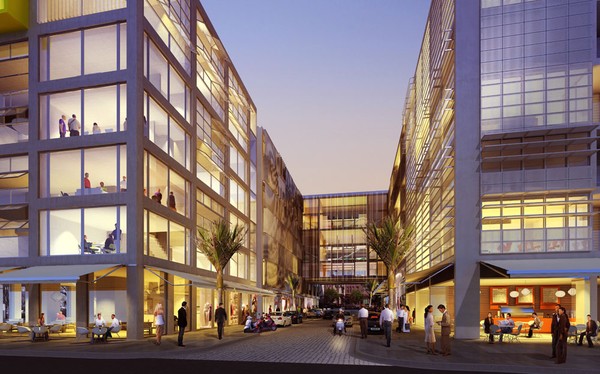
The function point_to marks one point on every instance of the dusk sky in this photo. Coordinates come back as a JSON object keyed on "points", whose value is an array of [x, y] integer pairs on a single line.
{"points": [[328, 78]]}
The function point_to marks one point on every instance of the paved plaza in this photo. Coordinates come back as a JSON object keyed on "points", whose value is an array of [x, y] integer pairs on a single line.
{"points": [[313, 343]]}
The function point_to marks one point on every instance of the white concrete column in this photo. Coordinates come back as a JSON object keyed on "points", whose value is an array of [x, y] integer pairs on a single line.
{"points": [[467, 192]]}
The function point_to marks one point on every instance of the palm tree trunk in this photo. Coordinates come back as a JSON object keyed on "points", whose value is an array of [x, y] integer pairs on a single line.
{"points": [[220, 290], [391, 289]]}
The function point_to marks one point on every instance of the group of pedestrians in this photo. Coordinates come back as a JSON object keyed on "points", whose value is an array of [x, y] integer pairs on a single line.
{"points": [[446, 328], [159, 322]]}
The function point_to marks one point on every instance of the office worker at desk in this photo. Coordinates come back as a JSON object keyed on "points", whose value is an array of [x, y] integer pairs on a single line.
{"points": [[108, 243]]}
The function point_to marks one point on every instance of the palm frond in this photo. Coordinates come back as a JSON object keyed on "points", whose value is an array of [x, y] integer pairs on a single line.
{"points": [[389, 240], [220, 243]]}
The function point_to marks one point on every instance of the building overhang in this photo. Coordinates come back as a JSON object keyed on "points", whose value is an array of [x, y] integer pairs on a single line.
{"points": [[14, 15], [430, 274], [51, 274], [555, 267]]}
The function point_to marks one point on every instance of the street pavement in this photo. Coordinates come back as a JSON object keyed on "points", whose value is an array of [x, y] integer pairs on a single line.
{"points": [[308, 347]]}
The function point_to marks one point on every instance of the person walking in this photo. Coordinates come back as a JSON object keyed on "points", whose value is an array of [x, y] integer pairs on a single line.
{"points": [[487, 322], [159, 322], [446, 324], [429, 333], [363, 316], [181, 322], [400, 317], [563, 334], [220, 318], [385, 321], [591, 328], [554, 329]]}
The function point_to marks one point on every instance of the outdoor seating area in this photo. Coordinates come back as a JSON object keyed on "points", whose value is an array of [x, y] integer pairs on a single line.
{"points": [[5, 328], [39, 333]]}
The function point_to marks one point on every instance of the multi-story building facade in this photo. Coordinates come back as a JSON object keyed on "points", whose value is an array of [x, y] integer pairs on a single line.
{"points": [[161, 140], [336, 254], [497, 162], [281, 239]]}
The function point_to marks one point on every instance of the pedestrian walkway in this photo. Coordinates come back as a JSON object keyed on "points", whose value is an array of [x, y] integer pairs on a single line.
{"points": [[525, 356], [313, 342]]}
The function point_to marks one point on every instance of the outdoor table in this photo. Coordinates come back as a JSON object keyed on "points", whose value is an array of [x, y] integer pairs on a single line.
{"points": [[39, 333], [98, 334]]}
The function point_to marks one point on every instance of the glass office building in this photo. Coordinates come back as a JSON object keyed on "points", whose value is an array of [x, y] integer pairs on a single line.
{"points": [[497, 162], [336, 254], [159, 140]]}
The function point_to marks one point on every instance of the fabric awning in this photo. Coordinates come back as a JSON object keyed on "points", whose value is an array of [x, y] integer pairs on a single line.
{"points": [[425, 275], [51, 274], [197, 280], [246, 288], [555, 267]]}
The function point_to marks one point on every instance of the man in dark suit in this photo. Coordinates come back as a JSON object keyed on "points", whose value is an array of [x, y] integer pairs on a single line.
{"points": [[591, 329], [554, 329], [181, 322], [220, 318]]}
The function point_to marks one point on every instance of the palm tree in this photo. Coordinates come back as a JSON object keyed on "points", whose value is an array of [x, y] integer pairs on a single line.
{"points": [[371, 287], [293, 283], [390, 241], [219, 245]]}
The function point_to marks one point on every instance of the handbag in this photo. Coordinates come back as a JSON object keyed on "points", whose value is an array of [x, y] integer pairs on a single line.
{"points": [[407, 326]]}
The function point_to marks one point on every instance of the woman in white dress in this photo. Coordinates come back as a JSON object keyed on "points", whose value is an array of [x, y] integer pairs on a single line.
{"points": [[429, 333], [407, 319], [159, 322]]}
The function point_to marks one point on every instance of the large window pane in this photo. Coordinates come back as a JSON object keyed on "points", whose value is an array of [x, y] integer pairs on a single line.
{"points": [[62, 232], [177, 243], [158, 245], [100, 49]]}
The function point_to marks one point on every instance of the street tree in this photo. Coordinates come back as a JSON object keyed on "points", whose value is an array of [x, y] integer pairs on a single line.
{"points": [[390, 241], [371, 286], [293, 282], [219, 244], [330, 295]]}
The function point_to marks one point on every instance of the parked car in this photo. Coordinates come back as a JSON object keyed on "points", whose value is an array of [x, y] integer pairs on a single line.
{"points": [[296, 317], [318, 312], [281, 319], [373, 326], [329, 313]]}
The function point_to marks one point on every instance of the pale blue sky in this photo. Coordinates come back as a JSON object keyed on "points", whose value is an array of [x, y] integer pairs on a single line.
{"points": [[328, 78]]}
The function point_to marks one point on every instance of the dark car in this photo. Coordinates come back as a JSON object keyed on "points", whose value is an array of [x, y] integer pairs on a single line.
{"points": [[373, 326], [329, 313], [296, 317]]}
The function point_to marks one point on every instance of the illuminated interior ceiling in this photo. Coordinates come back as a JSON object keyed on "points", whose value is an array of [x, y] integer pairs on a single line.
{"points": [[14, 74], [14, 15]]}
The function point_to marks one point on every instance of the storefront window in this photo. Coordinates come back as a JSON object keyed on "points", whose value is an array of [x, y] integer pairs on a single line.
{"points": [[205, 312]]}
